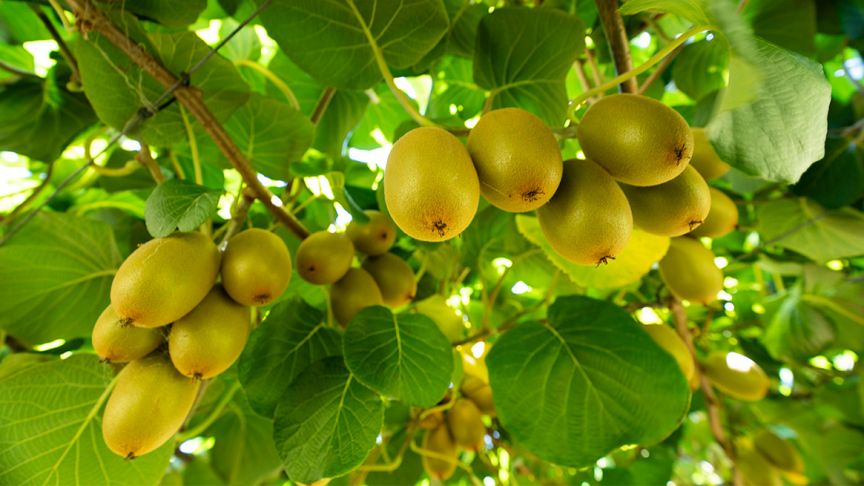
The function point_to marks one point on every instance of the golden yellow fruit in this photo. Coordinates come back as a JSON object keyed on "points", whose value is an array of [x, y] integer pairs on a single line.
{"points": [[208, 340], [695, 381], [394, 277], [638, 140], [705, 159], [256, 267], [736, 375], [324, 257], [669, 340], [478, 392], [164, 279], [449, 322], [688, 269], [438, 440], [116, 342], [148, 405], [430, 185], [779, 452], [353, 293], [673, 208], [431, 421], [721, 219], [474, 366], [588, 221], [466, 424], [375, 236], [755, 469], [517, 159]]}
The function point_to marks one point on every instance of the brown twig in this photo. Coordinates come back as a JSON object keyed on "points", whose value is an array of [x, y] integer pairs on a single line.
{"points": [[64, 49], [93, 19], [239, 214], [321, 107], [659, 71], [613, 26], [595, 68]]}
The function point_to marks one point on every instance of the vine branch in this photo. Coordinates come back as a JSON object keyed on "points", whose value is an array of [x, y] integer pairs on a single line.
{"points": [[616, 34], [64, 49]]}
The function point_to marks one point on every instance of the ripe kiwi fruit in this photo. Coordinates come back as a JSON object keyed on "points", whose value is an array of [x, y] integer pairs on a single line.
{"points": [[438, 440], [116, 342], [256, 267], [517, 159], [638, 140], [588, 220], [722, 217], [164, 279], [466, 424], [394, 277], [671, 342], [430, 185], [373, 237], [479, 392], [779, 452], [736, 375], [689, 271], [324, 257], [705, 158], [673, 208], [353, 293]]}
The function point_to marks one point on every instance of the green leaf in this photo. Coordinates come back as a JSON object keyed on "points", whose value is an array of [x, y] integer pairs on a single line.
{"points": [[523, 55], [327, 422], [806, 227], [384, 113], [778, 134], [699, 68], [691, 10], [795, 330], [15, 56], [838, 179], [791, 24], [168, 12], [293, 336], [55, 276], [331, 40], [405, 356], [271, 134], [176, 204], [635, 260], [51, 432], [589, 381]]}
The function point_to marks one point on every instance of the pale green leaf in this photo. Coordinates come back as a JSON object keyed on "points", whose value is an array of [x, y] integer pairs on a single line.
{"points": [[176, 204], [168, 12], [794, 329], [698, 69], [692, 10]]}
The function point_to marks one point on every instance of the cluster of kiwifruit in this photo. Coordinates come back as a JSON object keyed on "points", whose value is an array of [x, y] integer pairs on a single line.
{"points": [[637, 171], [165, 297]]}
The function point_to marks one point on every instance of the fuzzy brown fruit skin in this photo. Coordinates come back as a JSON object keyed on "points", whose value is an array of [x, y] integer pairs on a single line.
{"points": [[439, 440], [466, 424], [164, 279], [749, 384], [118, 343], [208, 340], [722, 217], [669, 340], [588, 221], [394, 277], [638, 140], [353, 293], [148, 405], [689, 271], [479, 392], [517, 159], [705, 159], [324, 257], [256, 267], [375, 236], [430, 185], [673, 208]]}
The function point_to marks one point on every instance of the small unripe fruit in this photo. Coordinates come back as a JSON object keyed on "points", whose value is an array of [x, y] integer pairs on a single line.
{"points": [[449, 322], [478, 392], [431, 421], [324, 257], [256, 267], [394, 277], [353, 293], [466, 424], [688, 269], [116, 342], [736, 375], [375, 236], [780, 453], [672, 343], [722, 217], [438, 440], [705, 158], [673, 208]]}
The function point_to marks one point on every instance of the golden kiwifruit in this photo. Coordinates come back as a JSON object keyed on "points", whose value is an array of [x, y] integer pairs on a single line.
{"points": [[116, 342], [375, 236], [353, 293], [466, 424], [324, 257], [517, 159], [473, 365], [148, 405], [256, 267], [722, 217], [755, 470], [431, 421], [588, 221], [430, 185], [672, 343], [479, 392], [705, 158], [638, 140], [736, 375], [164, 279], [449, 322], [673, 208], [438, 440], [779, 452], [394, 277], [688, 269], [209, 339]]}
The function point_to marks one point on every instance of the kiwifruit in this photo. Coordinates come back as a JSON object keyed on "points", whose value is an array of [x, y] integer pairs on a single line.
{"points": [[736, 376], [705, 158], [688, 269], [394, 277], [722, 217], [431, 421], [673, 208], [466, 424], [755, 470], [479, 392], [588, 221], [116, 342], [324, 257], [672, 343], [148, 405], [353, 293], [164, 279], [208, 340], [375, 236], [449, 322], [517, 159], [438, 440], [779, 452], [430, 185], [638, 140], [256, 267]]}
